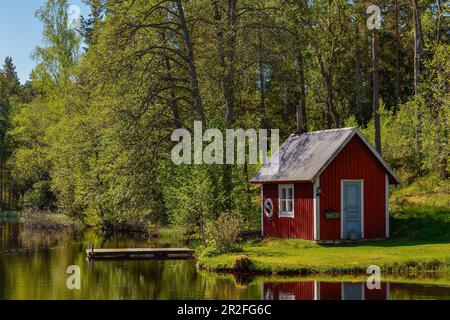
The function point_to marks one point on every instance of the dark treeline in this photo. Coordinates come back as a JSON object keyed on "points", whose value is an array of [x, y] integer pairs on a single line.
{"points": [[90, 134]]}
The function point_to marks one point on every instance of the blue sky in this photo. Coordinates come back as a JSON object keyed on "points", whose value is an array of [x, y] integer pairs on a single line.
{"points": [[21, 32]]}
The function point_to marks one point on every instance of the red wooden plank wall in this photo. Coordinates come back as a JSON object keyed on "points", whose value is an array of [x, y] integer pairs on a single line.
{"points": [[302, 290], [376, 294], [355, 161], [333, 291], [302, 225], [330, 290]]}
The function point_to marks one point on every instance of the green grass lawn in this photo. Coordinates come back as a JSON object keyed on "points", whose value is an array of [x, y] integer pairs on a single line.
{"points": [[297, 256], [420, 228], [421, 210]]}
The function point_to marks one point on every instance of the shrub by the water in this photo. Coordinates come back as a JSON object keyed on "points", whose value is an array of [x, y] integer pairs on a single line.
{"points": [[45, 220], [223, 233]]}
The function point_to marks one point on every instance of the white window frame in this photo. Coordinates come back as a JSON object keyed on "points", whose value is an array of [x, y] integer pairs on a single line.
{"points": [[286, 214]]}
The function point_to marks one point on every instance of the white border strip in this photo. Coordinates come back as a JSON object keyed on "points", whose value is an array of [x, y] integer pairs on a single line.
{"points": [[316, 204], [387, 206], [262, 210]]}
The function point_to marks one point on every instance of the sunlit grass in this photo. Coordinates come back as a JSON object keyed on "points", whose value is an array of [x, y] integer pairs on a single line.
{"points": [[282, 256], [421, 210]]}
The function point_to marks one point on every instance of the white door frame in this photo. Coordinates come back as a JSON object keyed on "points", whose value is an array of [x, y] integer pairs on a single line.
{"points": [[361, 181], [316, 204], [362, 284], [262, 210], [387, 205]]}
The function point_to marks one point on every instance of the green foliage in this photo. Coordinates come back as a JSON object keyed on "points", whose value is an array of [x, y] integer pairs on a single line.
{"points": [[190, 195], [39, 196], [57, 59], [173, 236]]}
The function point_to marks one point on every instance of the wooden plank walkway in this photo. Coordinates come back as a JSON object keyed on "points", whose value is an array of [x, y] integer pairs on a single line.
{"points": [[140, 253]]}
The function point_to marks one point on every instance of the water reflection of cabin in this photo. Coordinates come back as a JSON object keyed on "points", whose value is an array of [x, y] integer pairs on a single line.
{"points": [[318, 290], [326, 185]]}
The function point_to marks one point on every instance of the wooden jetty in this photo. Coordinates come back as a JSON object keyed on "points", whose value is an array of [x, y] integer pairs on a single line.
{"points": [[139, 253]]}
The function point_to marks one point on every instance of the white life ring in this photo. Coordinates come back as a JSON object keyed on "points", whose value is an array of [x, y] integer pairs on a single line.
{"points": [[268, 208]]}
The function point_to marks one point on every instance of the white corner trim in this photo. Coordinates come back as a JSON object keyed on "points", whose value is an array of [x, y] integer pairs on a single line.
{"points": [[280, 186], [316, 204], [363, 291], [262, 210], [316, 290], [361, 181], [388, 291], [387, 206]]}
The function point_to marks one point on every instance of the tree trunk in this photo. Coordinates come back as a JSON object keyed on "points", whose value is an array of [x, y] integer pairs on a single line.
{"points": [[226, 48], [438, 21], [261, 76], [327, 75], [376, 91], [191, 63], [359, 111], [397, 59], [285, 100], [418, 45], [1, 184], [229, 71], [441, 141], [332, 116], [442, 148], [172, 99], [262, 81], [301, 104]]}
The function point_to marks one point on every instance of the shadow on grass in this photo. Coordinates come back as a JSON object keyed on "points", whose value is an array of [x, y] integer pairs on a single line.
{"points": [[414, 225], [421, 223]]}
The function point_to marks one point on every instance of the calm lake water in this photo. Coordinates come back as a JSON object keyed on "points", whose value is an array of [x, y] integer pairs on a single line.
{"points": [[33, 266]]}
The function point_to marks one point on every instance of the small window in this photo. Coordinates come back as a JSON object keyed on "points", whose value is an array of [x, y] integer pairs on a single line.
{"points": [[286, 196], [286, 296]]}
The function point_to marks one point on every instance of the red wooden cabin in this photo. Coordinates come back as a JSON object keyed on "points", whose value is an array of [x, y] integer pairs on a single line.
{"points": [[326, 185]]}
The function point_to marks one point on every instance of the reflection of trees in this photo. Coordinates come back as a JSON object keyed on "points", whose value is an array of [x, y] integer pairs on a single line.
{"points": [[36, 240], [33, 266], [9, 232]]}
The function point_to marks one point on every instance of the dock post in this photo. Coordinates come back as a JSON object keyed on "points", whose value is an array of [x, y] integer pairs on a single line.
{"points": [[91, 247]]}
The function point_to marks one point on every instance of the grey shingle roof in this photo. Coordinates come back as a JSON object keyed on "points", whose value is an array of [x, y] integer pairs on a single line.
{"points": [[304, 157]]}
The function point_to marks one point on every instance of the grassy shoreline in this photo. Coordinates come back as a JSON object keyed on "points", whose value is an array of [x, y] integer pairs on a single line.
{"points": [[299, 257], [431, 279], [420, 243]]}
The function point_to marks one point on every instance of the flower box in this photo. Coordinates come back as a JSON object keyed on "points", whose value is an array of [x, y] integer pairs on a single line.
{"points": [[332, 214]]}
